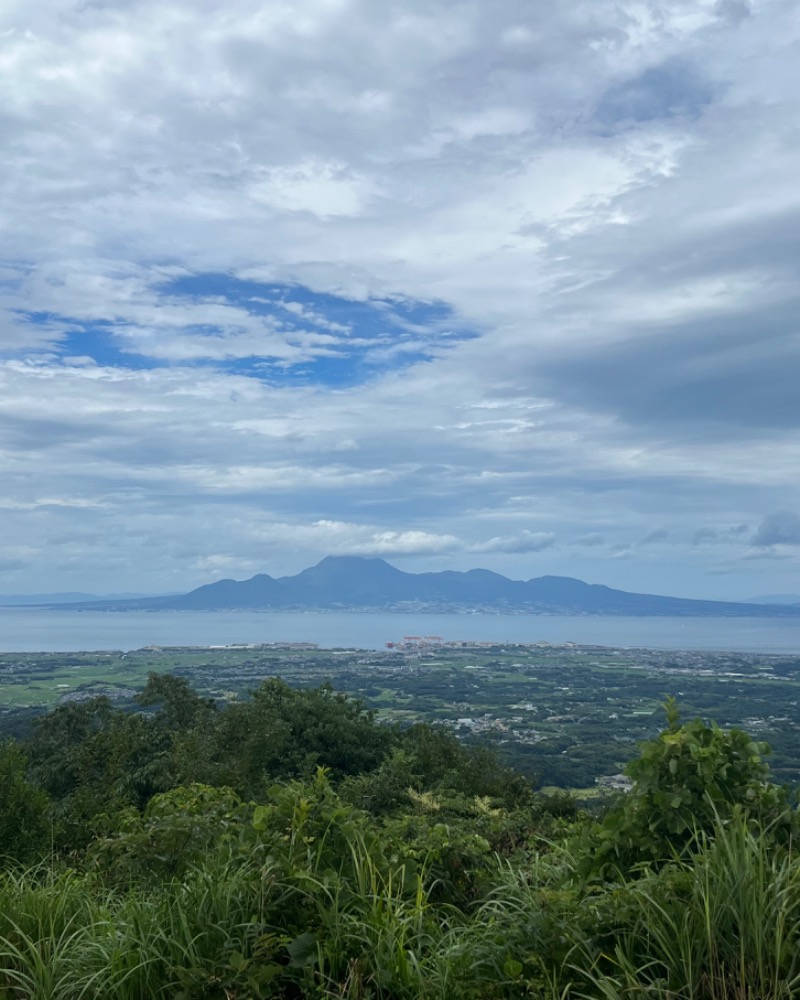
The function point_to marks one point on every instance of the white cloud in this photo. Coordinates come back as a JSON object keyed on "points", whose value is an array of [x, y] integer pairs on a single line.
{"points": [[348, 538], [525, 541], [323, 189], [393, 543], [452, 153]]}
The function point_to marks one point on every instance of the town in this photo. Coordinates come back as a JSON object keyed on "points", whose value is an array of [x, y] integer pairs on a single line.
{"points": [[568, 715]]}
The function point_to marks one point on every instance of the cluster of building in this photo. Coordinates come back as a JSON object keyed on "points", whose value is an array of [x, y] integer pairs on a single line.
{"points": [[415, 643], [420, 643]]}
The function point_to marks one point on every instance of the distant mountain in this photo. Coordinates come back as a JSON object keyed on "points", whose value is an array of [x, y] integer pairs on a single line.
{"points": [[351, 582], [776, 599], [67, 597]]}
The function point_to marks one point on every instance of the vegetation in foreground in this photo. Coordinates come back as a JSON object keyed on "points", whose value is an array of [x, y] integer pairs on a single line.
{"points": [[289, 846]]}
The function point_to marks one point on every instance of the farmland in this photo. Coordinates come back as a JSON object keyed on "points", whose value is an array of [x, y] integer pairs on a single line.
{"points": [[566, 714]]}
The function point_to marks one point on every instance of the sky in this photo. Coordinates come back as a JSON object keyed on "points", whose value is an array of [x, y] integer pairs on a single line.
{"points": [[455, 283]]}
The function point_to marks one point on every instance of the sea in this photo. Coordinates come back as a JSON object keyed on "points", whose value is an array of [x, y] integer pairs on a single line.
{"points": [[37, 630]]}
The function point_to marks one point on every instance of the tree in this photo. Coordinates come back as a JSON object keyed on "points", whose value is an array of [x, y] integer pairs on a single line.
{"points": [[281, 732], [179, 706], [94, 759], [25, 823]]}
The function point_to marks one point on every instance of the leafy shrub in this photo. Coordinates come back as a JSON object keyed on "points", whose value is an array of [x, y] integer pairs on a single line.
{"points": [[178, 829], [687, 780]]}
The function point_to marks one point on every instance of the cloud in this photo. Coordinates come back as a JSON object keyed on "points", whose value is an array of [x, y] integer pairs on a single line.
{"points": [[780, 528], [11, 565], [339, 537], [524, 541], [675, 88], [320, 188], [734, 11], [705, 536], [725, 534], [591, 540], [652, 537], [768, 555], [406, 543], [360, 539], [351, 538], [447, 281]]}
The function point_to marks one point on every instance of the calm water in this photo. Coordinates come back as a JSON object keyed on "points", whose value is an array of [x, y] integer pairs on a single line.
{"points": [[31, 630]]}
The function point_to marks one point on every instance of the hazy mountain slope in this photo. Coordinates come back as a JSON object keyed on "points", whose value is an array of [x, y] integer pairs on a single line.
{"points": [[354, 582]]}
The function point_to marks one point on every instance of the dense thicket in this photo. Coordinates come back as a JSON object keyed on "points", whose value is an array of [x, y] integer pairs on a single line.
{"points": [[291, 846]]}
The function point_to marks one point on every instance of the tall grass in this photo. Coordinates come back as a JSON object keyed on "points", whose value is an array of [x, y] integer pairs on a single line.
{"points": [[227, 930], [61, 937], [378, 932], [723, 925], [64, 937], [518, 941]]}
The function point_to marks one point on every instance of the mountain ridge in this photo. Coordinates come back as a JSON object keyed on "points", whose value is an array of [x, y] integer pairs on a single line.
{"points": [[355, 582], [64, 597]]}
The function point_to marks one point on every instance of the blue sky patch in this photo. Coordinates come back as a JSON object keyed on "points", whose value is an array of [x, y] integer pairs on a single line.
{"points": [[308, 337], [673, 89], [96, 341]]}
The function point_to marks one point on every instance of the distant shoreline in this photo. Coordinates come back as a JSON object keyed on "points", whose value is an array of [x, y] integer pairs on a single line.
{"points": [[769, 612], [37, 630]]}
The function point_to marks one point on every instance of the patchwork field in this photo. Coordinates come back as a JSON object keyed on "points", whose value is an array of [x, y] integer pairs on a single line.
{"points": [[566, 714]]}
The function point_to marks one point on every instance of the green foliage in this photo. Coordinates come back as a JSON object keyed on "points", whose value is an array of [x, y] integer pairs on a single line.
{"points": [[448, 846], [61, 749], [687, 780], [25, 820], [177, 829], [95, 760], [443, 761], [307, 827], [523, 933], [723, 923], [388, 788], [91, 759], [281, 732], [434, 760], [379, 864], [179, 706]]}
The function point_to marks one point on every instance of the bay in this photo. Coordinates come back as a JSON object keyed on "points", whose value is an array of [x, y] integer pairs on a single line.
{"points": [[36, 630]]}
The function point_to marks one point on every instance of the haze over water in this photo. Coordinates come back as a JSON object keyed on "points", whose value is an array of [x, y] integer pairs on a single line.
{"points": [[29, 630]]}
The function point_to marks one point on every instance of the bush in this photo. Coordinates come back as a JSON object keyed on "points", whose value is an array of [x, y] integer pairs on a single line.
{"points": [[686, 781]]}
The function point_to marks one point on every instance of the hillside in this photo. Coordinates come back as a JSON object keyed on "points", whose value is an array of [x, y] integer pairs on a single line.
{"points": [[291, 846]]}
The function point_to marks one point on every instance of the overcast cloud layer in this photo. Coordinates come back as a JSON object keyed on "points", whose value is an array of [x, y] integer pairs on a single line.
{"points": [[454, 283]]}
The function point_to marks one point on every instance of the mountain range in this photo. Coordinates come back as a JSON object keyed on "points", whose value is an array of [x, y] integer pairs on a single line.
{"points": [[357, 583], [65, 597]]}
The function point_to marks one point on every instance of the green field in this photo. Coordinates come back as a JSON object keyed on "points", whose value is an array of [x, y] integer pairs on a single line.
{"points": [[566, 714]]}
